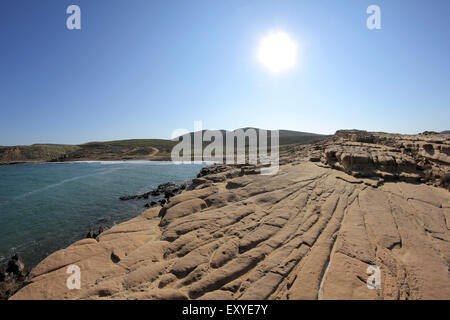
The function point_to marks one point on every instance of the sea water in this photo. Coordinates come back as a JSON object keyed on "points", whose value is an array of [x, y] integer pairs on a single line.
{"points": [[46, 207]]}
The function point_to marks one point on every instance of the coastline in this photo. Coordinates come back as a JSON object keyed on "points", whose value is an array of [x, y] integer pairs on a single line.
{"points": [[165, 191], [162, 158], [308, 232]]}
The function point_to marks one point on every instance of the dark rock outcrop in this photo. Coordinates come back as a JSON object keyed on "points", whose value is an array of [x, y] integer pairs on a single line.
{"points": [[15, 265], [12, 277], [92, 234], [166, 190]]}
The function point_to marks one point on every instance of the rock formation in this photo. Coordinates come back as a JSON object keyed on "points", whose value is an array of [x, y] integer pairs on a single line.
{"points": [[334, 209], [12, 277], [388, 157]]}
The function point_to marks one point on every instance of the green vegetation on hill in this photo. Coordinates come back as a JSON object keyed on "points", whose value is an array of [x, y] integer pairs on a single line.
{"points": [[124, 149], [154, 149], [35, 152], [135, 143], [286, 136], [110, 150]]}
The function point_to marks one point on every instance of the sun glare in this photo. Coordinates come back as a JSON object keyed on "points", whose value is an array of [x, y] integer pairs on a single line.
{"points": [[277, 52]]}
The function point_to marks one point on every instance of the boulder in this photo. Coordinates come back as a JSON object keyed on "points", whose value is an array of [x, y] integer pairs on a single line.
{"points": [[15, 265]]}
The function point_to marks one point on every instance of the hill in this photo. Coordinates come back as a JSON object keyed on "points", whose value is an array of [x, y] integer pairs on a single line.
{"points": [[286, 136], [34, 153], [133, 149], [155, 149]]}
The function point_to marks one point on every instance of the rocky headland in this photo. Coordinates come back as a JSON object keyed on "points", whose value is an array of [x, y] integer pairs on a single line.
{"points": [[336, 207]]}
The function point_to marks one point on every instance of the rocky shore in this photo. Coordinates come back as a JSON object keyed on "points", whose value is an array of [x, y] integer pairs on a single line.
{"points": [[12, 277], [160, 195], [14, 273], [336, 207]]}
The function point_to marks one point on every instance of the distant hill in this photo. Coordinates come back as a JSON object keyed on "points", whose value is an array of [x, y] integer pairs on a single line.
{"points": [[291, 137], [445, 132], [35, 152], [286, 136], [155, 149], [152, 149]]}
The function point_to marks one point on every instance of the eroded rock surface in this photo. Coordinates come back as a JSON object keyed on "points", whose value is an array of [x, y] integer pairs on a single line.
{"points": [[390, 157], [309, 232]]}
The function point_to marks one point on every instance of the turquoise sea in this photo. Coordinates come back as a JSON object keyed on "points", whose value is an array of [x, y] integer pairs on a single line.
{"points": [[45, 207]]}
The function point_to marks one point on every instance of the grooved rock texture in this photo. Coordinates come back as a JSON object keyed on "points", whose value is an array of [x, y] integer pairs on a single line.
{"points": [[308, 232], [390, 157]]}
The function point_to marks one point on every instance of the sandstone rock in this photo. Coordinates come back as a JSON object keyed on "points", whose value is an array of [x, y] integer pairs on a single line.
{"points": [[308, 232], [182, 209]]}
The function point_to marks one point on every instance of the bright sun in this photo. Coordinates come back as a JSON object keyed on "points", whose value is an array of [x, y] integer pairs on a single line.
{"points": [[277, 52]]}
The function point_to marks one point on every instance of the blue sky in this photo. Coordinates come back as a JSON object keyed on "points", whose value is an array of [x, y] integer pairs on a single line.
{"points": [[141, 69]]}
